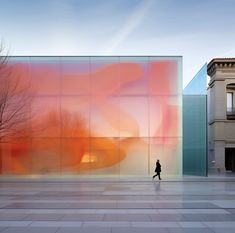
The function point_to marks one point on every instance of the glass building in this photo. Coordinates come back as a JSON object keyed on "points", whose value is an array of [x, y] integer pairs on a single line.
{"points": [[94, 116], [195, 125]]}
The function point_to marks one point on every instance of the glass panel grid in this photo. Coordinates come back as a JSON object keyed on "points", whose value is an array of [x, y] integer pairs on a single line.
{"points": [[99, 115]]}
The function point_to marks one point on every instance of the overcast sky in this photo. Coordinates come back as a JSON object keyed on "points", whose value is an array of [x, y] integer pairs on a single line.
{"points": [[199, 30]]}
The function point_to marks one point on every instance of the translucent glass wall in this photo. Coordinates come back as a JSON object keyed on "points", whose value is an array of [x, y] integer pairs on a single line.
{"points": [[97, 116], [195, 125]]}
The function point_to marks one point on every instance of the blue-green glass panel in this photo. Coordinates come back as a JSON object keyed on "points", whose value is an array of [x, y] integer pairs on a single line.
{"points": [[195, 125], [197, 86], [194, 135]]}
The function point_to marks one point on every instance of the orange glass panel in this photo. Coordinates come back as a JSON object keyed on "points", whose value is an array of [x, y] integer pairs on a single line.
{"points": [[133, 76], [137, 154], [165, 116], [163, 77], [105, 76], [134, 116], [104, 117], [75, 116], [15, 157], [75, 76], [46, 117], [105, 156], [45, 76], [75, 156], [45, 156]]}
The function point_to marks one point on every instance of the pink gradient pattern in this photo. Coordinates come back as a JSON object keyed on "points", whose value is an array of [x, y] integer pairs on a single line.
{"points": [[97, 116]]}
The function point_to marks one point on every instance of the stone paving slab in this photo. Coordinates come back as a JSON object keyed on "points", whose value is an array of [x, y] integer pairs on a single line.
{"points": [[121, 206]]}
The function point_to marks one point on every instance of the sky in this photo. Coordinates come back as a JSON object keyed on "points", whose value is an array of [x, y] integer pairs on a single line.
{"points": [[198, 30]]}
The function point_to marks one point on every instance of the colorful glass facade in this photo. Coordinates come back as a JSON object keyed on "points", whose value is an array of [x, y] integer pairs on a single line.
{"points": [[97, 116]]}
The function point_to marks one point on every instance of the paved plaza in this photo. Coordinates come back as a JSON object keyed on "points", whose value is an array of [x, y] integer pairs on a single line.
{"points": [[197, 205]]}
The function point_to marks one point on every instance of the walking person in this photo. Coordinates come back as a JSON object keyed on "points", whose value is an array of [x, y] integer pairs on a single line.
{"points": [[158, 170]]}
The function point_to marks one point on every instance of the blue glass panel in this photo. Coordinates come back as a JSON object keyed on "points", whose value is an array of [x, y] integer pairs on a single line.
{"points": [[197, 86], [195, 125], [194, 135]]}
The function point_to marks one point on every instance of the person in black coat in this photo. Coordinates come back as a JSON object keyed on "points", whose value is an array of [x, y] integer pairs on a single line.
{"points": [[158, 170]]}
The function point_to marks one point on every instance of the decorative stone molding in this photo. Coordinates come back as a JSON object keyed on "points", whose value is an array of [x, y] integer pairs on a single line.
{"points": [[220, 63]]}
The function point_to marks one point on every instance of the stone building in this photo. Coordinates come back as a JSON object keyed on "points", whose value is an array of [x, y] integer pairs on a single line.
{"points": [[221, 114]]}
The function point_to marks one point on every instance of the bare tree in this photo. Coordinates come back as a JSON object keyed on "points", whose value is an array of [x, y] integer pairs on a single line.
{"points": [[15, 102]]}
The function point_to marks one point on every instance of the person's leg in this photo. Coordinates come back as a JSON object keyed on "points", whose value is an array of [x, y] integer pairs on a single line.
{"points": [[154, 176], [159, 176]]}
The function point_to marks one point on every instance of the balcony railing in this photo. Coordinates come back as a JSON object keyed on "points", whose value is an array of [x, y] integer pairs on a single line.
{"points": [[231, 113]]}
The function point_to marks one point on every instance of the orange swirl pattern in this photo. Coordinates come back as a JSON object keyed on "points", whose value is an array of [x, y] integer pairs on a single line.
{"points": [[96, 116]]}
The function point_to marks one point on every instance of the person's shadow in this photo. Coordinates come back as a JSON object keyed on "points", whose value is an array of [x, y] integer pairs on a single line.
{"points": [[157, 186]]}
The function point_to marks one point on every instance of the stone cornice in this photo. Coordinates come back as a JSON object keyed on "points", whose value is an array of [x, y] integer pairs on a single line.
{"points": [[212, 81], [220, 120], [220, 63]]}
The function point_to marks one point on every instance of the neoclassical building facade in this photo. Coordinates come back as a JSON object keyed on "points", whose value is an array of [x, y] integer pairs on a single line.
{"points": [[221, 114]]}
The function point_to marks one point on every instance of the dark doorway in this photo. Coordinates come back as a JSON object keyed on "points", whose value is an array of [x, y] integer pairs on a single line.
{"points": [[230, 159]]}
